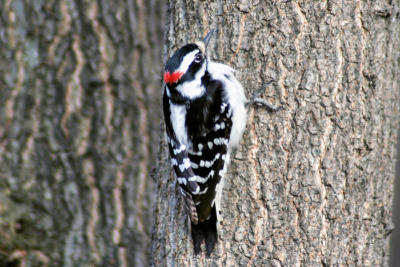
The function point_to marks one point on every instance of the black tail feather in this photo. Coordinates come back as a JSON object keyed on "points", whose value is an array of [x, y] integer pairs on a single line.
{"points": [[207, 231]]}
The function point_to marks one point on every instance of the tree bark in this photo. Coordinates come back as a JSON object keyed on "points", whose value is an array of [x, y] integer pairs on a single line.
{"points": [[79, 115], [312, 184]]}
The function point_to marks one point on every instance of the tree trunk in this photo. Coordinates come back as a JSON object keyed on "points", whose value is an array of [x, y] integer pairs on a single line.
{"points": [[311, 184], [79, 115]]}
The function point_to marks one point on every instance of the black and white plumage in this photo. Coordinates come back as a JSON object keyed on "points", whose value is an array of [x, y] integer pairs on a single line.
{"points": [[205, 116]]}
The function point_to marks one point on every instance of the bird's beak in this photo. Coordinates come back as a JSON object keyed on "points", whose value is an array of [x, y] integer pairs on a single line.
{"points": [[208, 37]]}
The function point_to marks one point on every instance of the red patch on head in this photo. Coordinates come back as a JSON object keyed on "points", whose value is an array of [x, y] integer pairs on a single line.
{"points": [[172, 77]]}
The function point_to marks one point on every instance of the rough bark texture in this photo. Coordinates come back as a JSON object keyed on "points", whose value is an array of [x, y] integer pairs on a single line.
{"points": [[312, 184], [79, 115]]}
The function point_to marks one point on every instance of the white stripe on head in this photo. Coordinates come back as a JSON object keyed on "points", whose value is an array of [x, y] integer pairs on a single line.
{"points": [[187, 60]]}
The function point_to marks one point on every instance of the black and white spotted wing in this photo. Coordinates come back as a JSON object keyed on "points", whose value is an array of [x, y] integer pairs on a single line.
{"points": [[184, 172], [200, 167], [208, 159]]}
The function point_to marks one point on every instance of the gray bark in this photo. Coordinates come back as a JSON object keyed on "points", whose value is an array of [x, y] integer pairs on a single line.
{"points": [[312, 184], [79, 115]]}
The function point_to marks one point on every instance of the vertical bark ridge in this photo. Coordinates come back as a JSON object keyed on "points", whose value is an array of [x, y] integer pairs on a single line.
{"points": [[94, 211], [240, 38], [255, 188], [107, 56], [73, 94], [119, 218]]}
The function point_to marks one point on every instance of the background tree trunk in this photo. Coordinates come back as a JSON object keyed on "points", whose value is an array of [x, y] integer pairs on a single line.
{"points": [[79, 115], [312, 184]]}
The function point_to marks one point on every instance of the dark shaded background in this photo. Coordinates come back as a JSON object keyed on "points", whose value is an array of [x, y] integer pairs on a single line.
{"points": [[395, 238]]}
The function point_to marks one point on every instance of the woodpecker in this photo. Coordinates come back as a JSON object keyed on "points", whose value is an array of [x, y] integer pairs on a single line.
{"points": [[205, 116]]}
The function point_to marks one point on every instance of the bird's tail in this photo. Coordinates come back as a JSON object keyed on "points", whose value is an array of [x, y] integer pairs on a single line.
{"points": [[207, 231]]}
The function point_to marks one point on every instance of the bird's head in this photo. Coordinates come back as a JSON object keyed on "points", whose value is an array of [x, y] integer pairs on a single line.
{"points": [[187, 63]]}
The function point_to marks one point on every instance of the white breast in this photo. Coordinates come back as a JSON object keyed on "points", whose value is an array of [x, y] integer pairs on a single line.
{"points": [[178, 119]]}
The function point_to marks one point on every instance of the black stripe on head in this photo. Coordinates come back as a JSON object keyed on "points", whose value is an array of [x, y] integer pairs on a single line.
{"points": [[176, 59], [191, 73]]}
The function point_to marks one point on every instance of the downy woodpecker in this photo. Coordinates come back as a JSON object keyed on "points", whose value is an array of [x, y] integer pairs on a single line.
{"points": [[205, 116]]}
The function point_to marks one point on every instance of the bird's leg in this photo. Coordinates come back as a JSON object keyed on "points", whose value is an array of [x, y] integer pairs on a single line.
{"points": [[260, 102]]}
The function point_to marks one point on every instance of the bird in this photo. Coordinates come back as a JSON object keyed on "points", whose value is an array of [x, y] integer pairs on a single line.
{"points": [[205, 117]]}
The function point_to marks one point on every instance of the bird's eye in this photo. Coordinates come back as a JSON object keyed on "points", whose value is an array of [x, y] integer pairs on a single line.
{"points": [[198, 57]]}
